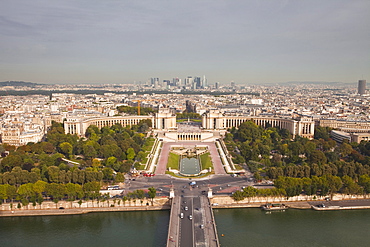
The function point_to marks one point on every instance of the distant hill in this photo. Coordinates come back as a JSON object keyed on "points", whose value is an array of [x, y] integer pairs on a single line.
{"points": [[18, 84]]}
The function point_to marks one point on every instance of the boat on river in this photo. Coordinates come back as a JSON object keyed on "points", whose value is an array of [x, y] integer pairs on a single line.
{"points": [[274, 206]]}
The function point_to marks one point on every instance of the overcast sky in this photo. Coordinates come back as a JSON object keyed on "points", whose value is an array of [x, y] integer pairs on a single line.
{"points": [[246, 41]]}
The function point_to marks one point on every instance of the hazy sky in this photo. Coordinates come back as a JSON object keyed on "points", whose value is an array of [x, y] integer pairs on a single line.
{"points": [[246, 41]]}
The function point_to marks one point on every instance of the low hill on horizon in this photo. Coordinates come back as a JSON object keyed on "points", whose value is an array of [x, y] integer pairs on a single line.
{"points": [[18, 84]]}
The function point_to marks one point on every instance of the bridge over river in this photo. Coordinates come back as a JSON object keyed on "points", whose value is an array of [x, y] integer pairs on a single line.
{"points": [[192, 222]]}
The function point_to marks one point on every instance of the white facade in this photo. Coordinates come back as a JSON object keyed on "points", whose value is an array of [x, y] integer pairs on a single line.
{"points": [[215, 120], [17, 135], [79, 125], [165, 119]]}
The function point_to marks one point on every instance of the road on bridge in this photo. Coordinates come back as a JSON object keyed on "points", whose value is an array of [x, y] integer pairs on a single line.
{"points": [[193, 217]]}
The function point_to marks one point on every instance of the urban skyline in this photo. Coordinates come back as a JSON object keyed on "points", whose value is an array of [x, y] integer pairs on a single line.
{"points": [[248, 42]]}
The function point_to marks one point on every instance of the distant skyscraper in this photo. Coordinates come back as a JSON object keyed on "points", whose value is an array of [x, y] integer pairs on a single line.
{"points": [[232, 84], [189, 81], [154, 82], [176, 82], [197, 83], [361, 87], [217, 85], [204, 82], [166, 82]]}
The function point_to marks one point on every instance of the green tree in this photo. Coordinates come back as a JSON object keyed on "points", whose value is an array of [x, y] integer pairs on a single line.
{"points": [[344, 149], [89, 151], [130, 154], [139, 194], [26, 190], [10, 161], [66, 149], [152, 193], [124, 199], [111, 161], [39, 187], [56, 192], [238, 196], [4, 188], [108, 173], [73, 191], [316, 156], [91, 189], [322, 133], [250, 192], [119, 178], [53, 174], [249, 131]]}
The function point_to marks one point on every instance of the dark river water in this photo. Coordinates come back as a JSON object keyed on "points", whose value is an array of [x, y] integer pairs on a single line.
{"points": [[239, 227], [253, 227]]}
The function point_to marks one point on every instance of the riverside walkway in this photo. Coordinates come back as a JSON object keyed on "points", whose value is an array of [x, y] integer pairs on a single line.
{"points": [[192, 222]]}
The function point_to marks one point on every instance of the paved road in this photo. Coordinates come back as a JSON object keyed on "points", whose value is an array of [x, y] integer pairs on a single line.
{"points": [[217, 163], [199, 221], [163, 159], [197, 227], [163, 183], [186, 234]]}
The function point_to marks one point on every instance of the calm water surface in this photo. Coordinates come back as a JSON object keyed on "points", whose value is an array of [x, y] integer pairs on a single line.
{"points": [[241, 227], [253, 227], [94, 229], [189, 166]]}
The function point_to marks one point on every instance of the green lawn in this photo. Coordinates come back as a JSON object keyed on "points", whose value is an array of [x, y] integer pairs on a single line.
{"points": [[206, 161], [173, 161], [145, 160], [191, 120], [148, 144], [238, 167]]}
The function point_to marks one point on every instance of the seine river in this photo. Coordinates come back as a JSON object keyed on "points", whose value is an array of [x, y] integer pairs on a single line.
{"points": [[240, 227]]}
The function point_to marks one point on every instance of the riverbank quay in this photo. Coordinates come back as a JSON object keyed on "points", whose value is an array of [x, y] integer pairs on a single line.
{"points": [[295, 205], [70, 208], [341, 205], [71, 211], [349, 203]]}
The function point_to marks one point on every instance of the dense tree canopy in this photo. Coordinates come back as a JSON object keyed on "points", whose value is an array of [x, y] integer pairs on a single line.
{"points": [[272, 153], [105, 154], [134, 110]]}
